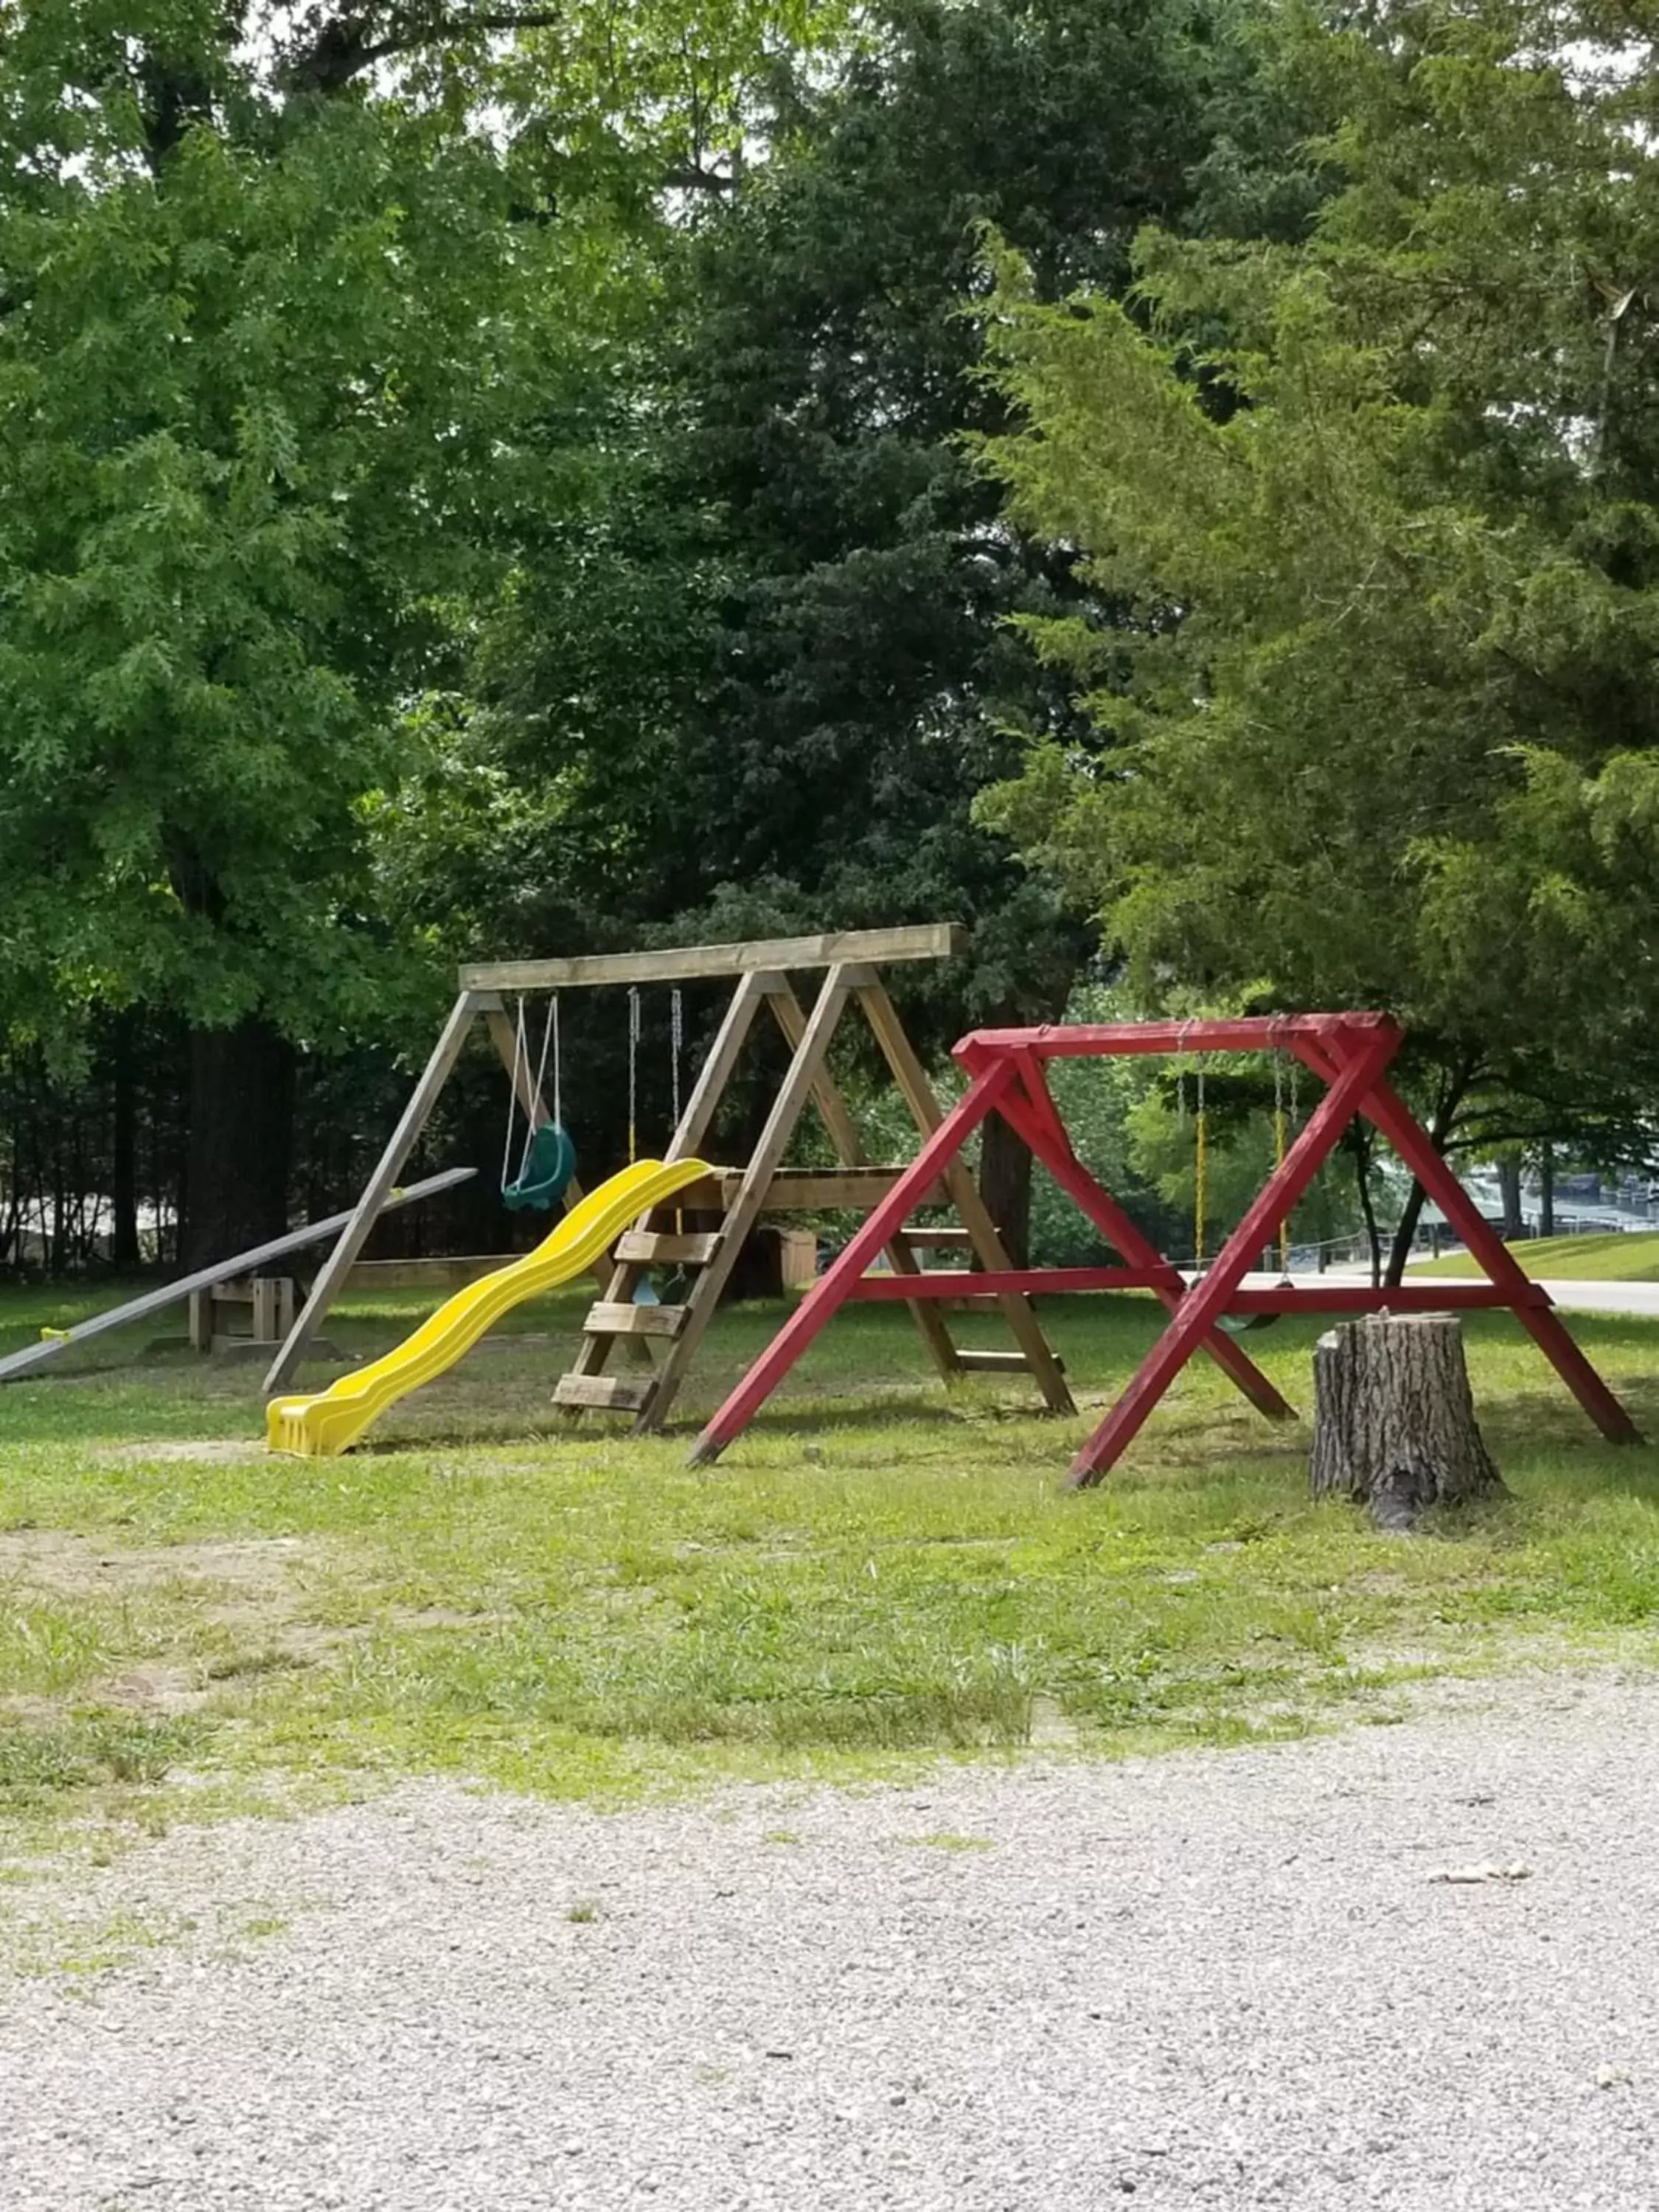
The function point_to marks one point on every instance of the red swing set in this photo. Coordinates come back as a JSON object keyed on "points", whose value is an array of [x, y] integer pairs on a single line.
{"points": [[1349, 1054]]}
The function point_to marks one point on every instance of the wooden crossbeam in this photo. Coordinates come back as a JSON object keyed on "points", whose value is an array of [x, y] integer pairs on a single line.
{"points": [[922, 940]]}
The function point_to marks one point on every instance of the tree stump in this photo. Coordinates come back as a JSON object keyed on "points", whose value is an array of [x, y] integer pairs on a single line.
{"points": [[1394, 1421]]}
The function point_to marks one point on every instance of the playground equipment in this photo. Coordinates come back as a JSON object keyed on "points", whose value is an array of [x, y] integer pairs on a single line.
{"points": [[662, 1337], [1348, 1054], [55, 1341], [335, 1420], [548, 1161]]}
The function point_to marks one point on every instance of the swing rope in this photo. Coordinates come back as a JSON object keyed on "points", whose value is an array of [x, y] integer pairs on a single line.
{"points": [[1200, 1177], [551, 1163], [676, 1040], [521, 1068], [633, 1073], [1280, 1135]]}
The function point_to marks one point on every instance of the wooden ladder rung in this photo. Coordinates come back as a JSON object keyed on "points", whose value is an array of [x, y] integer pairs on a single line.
{"points": [[651, 1247], [993, 1363], [955, 1240], [603, 1393], [608, 1319]]}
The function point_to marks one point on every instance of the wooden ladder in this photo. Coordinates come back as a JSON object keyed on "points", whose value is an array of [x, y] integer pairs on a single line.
{"points": [[668, 1335]]}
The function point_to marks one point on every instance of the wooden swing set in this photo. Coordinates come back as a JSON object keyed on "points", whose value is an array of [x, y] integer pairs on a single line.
{"points": [[661, 1339], [1348, 1054]]}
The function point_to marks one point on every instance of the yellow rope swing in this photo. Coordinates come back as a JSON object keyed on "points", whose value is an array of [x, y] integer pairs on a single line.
{"points": [[1201, 1177]]}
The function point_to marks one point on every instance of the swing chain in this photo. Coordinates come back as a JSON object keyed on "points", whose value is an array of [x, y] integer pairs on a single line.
{"points": [[521, 1068]]}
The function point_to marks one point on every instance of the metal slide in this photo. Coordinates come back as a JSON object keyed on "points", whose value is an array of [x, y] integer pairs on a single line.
{"points": [[333, 1421]]}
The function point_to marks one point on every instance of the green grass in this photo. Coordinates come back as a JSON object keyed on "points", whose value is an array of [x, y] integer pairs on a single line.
{"points": [[876, 1574], [1628, 1257]]}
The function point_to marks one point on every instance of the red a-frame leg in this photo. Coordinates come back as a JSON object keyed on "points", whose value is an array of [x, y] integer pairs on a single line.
{"points": [[830, 1291], [1529, 1303], [1360, 1063], [1030, 1112]]}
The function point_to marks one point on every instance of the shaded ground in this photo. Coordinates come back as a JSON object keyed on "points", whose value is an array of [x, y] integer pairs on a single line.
{"points": [[1414, 1967]]}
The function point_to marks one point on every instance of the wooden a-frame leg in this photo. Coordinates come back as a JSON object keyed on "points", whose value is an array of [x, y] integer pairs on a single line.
{"points": [[800, 1081], [849, 1151], [624, 1278], [331, 1276], [917, 1090], [828, 1294]]}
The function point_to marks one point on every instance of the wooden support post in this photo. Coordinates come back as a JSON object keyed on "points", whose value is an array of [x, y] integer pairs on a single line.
{"points": [[919, 1095], [577, 1390], [378, 1188], [798, 1083], [844, 1136], [831, 1290]]}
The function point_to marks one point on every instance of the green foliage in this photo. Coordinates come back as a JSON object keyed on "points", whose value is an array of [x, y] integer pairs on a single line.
{"points": [[1381, 501], [760, 676], [255, 389]]}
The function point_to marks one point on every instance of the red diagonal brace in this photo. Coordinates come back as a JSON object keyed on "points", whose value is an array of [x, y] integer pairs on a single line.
{"points": [[1360, 1062], [1030, 1112], [833, 1286], [1409, 1139]]}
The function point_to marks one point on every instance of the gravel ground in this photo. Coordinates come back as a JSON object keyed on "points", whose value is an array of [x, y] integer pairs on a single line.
{"points": [[1216, 1980]]}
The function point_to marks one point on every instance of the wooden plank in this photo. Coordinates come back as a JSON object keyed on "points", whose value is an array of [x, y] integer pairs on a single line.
{"points": [[937, 1240], [378, 1188], [849, 1150], [655, 1248], [919, 1096], [925, 940], [609, 1393], [604, 1319], [993, 1363], [174, 1293], [799, 1080], [809, 1190]]}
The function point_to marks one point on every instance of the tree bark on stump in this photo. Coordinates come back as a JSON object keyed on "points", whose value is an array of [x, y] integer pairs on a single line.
{"points": [[1393, 1420], [1005, 1184]]}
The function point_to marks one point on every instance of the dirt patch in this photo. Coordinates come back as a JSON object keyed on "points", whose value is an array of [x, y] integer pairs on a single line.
{"points": [[253, 1570], [213, 1448]]}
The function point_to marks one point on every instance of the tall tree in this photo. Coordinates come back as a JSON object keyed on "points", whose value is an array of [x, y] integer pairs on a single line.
{"points": [[770, 676], [280, 290], [1383, 504]]}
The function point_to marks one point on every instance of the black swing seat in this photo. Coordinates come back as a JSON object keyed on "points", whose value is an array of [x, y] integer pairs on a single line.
{"points": [[549, 1163], [1245, 1324]]}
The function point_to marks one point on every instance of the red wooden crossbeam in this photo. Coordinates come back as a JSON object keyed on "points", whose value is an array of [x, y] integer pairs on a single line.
{"points": [[1350, 1054]]}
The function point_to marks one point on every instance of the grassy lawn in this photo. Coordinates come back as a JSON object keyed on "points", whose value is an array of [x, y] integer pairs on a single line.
{"points": [[1631, 1257], [877, 1573]]}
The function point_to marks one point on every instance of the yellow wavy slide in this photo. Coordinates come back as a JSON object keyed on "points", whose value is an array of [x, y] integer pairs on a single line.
{"points": [[332, 1422]]}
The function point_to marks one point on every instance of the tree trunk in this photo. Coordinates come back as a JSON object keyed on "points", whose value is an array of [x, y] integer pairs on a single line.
{"points": [[241, 1131], [1509, 1183], [1546, 1189], [1005, 1184], [124, 1150], [1360, 1142], [1394, 1421]]}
